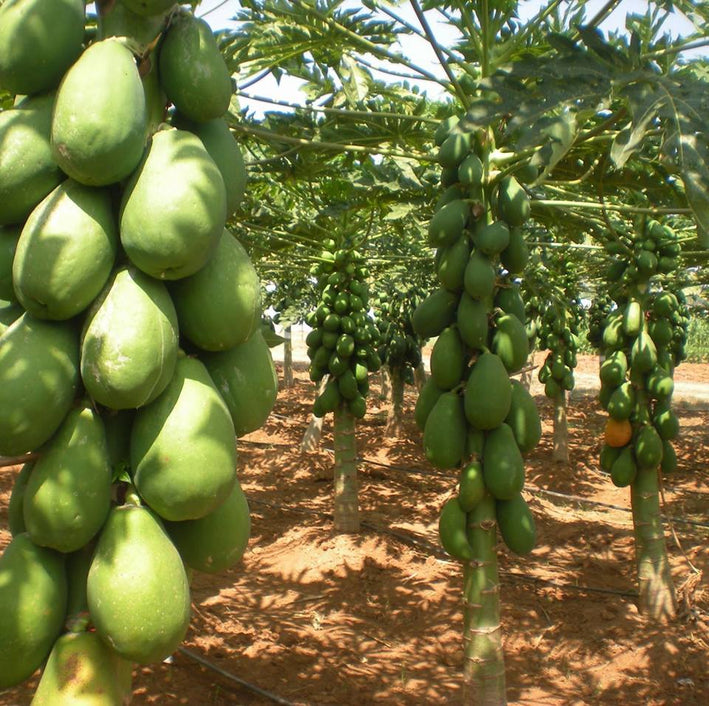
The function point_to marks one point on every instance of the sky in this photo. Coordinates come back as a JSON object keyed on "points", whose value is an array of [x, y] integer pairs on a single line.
{"points": [[219, 14]]}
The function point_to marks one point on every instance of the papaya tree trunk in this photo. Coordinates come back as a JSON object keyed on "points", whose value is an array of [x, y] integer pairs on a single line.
{"points": [[657, 597], [385, 378], [560, 450], [311, 438], [484, 667], [288, 381], [420, 376], [395, 412], [346, 490]]}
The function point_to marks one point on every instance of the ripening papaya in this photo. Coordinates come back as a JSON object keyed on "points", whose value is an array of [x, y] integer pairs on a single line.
{"points": [[33, 596], [68, 493], [137, 590], [512, 202], [39, 375], [27, 170], [218, 540], [510, 342], [219, 306], [503, 466], [39, 41], [434, 313], [129, 342], [445, 432], [66, 251], [488, 393], [192, 69], [246, 379], [523, 418], [83, 671], [164, 229], [448, 359], [516, 523], [180, 471], [472, 319], [100, 117]]}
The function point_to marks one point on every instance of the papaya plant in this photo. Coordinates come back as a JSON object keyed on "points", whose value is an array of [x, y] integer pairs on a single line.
{"points": [[138, 314]]}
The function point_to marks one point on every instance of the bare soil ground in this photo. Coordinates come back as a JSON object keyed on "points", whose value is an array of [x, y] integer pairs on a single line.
{"points": [[375, 618]]}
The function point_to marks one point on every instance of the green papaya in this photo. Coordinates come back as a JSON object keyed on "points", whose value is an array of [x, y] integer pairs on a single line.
{"points": [[9, 313], [444, 434], [224, 150], [27, 170], [509, 299], [33, 595], [648, 447], [624, 469], [83, 671], [347, 385], [129, 342], [512, 202], [148, 8], [613, 337], [444, 128], [643, 353], [479, 276], [357, 407], [510, 342], [126, 19], [452, 531], [669, 457], [434, 313], [68, 493], [192, 69], [632, 318], [219, 306], [492, 238], [622, 401], [39, 41], [471, 488], [39, 375], [660, 384], [217, 541], [523, 418], [448, 359], [454, 149], [9, 236], [488, 394], [515, 256], [470, 171], [137, 589], [246, 378], [15, 516], [100, 118], [165, 230], [503, 466], [608, 456], [613, 369], [472, 319], [66, 251], [516, 523], [667, 424], [181, 472], [448, 223], [474, 443], [427, 397], [451, 265], [661, 332]]}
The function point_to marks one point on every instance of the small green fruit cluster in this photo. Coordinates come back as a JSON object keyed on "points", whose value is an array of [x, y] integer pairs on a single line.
{"points": [[343, 341], [399, 345], [559, 334]]}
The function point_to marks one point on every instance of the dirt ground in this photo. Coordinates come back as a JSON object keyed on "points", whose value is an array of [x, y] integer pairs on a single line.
{"points": [[375, 618]]}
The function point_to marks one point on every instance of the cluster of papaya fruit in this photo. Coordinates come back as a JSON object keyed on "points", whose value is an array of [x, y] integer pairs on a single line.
{"points": [[474, 417], [601, 306], [343, 341], [558, 333], [134, 358], [399, 346], [642, 341]]}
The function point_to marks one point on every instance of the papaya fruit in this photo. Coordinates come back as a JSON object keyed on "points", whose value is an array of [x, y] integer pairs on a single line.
{"points": [[512, 202], [149, 8], [192, 69], [613, 369], [515, 256], [27, 170], [347, 385], [164, 229], [648, 447], [15, 514], [83, 671], [219, 306], [129, 341], [357, 407], [510, 342], [444, 434], [39, 41], [39, 375], [100, 118], [448, 359], [218, 540], [452, 531], [503, 466], [509, 299], [180, 471], [137, 590], [488, 394], [434, 313], [643, 353], [120, 19], [492, 238], [33, 597], [224, 150], [669, 457], [246, 379], [454, 149], [448, 223], [470, 171], [660, 384], [479, 276], [617, 432], [472, 320], [10, 311], [632, 318], [667, 423], [624, 469], [608, 456], [523, 418], [427, 397], [452, 262], [474, 442], [471, 485], [9, 236], [66, 251], [516, 523], [622, 401], [68, 494], [444, 129], [613, 337]]}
